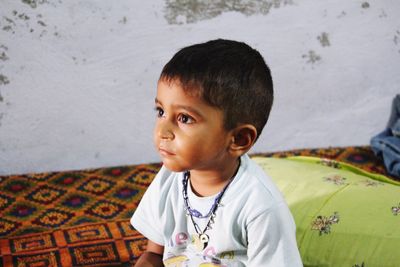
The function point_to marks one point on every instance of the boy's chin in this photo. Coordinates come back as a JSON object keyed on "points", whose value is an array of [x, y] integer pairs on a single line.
{"points": [[173, 167]]}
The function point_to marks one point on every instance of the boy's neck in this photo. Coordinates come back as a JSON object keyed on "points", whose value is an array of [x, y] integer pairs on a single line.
{"points": [[210, 182]]}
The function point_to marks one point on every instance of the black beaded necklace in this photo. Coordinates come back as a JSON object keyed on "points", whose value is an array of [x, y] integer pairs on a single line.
{"points": [[203, 237]]}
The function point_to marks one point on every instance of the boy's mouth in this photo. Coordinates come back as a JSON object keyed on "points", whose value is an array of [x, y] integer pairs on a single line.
{"points": [[164, 152]]}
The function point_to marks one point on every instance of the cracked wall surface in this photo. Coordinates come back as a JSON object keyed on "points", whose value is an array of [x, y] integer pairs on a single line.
{"points": [[191, 11], [78, 78]]}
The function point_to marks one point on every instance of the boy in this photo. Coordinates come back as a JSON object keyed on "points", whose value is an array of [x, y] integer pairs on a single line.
{"points": [[210, 204]]}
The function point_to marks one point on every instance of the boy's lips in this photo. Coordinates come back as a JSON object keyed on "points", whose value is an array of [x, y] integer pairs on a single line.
{"points": [[165, 152]]}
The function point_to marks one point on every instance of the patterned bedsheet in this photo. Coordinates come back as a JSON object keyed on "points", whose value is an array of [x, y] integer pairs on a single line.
{"points": [[81, 218]]}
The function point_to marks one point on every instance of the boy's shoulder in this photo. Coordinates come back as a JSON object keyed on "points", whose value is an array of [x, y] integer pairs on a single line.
{"points": [[253, 182], [253, 195], [166, 178], [165, 184]]}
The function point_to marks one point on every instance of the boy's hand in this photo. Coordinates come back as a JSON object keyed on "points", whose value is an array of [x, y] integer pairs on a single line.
{"points": [[152, 257]]}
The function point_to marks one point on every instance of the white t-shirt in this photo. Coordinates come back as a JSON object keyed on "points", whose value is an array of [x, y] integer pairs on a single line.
{"points": [[253, 227]]}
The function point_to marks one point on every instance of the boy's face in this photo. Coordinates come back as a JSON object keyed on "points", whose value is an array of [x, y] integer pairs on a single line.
{"points": [[189, 133]]}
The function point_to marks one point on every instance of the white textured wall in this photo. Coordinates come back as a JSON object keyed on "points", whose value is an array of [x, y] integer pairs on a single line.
{"points": [[78, 78]]}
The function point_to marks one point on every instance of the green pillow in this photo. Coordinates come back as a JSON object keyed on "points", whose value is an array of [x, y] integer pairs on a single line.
{"points": [[344, 216]]}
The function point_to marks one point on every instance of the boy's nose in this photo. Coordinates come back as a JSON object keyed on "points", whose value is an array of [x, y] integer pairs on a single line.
{"points": [[164, 130]]}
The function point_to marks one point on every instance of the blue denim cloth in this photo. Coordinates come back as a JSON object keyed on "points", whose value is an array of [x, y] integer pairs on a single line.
{"points": [[387, 143]]}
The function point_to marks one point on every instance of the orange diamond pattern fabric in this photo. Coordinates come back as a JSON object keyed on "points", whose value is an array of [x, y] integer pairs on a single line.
{"points": [[73, 218]]}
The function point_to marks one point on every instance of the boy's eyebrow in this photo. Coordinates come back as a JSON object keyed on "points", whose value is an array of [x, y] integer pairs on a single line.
{"points": [[188, 108]]}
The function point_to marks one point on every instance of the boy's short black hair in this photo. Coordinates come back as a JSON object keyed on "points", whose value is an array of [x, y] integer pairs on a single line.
{"points": [[229, 75]]}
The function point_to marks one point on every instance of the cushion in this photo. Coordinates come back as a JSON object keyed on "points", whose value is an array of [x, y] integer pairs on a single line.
{"points": [[345, 216]]}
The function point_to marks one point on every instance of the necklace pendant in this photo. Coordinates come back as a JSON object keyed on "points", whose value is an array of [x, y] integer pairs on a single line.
{"points": [[204, 240]]}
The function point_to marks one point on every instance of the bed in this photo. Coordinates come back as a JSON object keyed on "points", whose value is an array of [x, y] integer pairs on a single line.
{"points": [[346, 208]]}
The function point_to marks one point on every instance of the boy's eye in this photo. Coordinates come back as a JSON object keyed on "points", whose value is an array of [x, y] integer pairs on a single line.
{"points": [[160, 112], [186, 119]]}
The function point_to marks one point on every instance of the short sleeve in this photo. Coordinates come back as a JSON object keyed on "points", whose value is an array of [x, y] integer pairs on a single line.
{"points": [[272, 239], [147, 217]]}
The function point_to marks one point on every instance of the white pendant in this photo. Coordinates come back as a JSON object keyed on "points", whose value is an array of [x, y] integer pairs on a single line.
{"points": [[204, 239]]}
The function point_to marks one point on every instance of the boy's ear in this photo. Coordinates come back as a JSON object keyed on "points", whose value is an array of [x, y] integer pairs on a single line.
{"points": [[243, 138]]}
